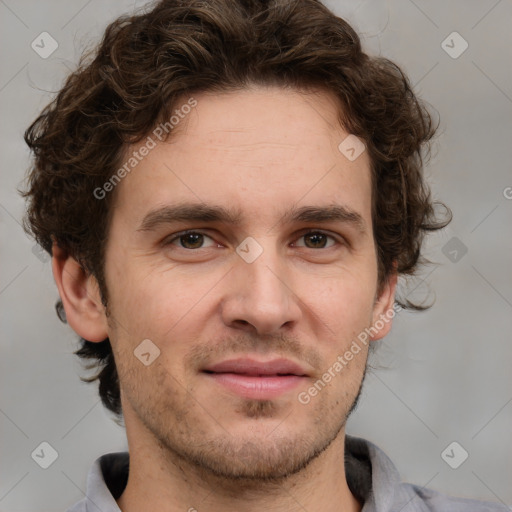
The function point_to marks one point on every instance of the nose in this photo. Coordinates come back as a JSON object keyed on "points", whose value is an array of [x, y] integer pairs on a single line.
{"points": [[261, 297]]}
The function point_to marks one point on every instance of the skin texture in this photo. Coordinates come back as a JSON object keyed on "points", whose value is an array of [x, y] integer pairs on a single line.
{"points": [[192, 442]]}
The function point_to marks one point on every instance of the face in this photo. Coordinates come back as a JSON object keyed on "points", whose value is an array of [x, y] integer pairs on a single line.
{"points": [[250, 308]]}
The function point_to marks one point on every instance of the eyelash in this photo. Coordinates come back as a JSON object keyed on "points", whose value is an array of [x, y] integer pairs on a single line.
{"points": [[177, 236]]}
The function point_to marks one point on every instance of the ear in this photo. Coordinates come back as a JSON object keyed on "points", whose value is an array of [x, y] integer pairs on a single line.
{"points": [[80, 296], [383, 311]]}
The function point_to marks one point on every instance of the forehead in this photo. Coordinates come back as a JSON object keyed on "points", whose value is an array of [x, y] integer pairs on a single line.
{"points": [[259, 150]]}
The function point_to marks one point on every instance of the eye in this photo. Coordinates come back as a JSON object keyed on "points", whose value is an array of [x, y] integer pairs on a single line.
{"points": [[188, 240], [191, 240], [317, 240]]}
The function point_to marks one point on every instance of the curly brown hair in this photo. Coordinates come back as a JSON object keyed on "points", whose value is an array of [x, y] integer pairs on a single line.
{"points": [[145, 62]]}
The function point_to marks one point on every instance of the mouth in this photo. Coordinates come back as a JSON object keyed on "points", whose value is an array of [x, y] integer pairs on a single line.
{"points": [[257, 379]]}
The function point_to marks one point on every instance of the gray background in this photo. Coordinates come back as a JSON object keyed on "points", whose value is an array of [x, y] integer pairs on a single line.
{"points": [[442, 376]]}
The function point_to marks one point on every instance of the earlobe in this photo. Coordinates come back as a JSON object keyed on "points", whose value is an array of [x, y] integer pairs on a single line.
{"points": [[80, 296], [383, 311]]}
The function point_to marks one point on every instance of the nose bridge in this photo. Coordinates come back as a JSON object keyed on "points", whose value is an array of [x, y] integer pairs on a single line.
{"points": [[265, 278], [261, 294]]}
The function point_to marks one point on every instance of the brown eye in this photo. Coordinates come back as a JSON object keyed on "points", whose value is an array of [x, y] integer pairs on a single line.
{"points": [[188, 240], [191, 240], [317, 240]]}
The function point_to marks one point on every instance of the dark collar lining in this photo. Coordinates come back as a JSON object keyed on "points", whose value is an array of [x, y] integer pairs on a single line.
{"points": [[114, 467], [358, 467]]}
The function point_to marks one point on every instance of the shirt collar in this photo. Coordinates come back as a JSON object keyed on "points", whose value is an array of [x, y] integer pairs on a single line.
{"points": [[371, 477]]}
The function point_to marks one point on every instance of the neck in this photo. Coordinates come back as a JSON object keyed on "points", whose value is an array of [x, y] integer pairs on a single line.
{"points": [[168, 483]]}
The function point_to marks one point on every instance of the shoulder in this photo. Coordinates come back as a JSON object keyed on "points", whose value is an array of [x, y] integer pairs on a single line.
{"points": [[80, 506], [421, 499], [105, 483], [374, 480]]}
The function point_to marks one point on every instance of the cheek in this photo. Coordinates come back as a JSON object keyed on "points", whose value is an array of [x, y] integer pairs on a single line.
{"points": [[347, 300], [156, 304]]}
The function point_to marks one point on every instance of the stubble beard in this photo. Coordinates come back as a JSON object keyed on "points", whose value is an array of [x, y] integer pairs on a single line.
{"points": [[247, 465]]}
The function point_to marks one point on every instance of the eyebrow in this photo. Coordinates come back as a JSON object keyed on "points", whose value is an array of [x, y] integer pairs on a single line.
{"points": [[201, 212]]}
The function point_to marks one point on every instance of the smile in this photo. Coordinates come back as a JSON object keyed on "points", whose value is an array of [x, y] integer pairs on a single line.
{"points": [[257, 379]]}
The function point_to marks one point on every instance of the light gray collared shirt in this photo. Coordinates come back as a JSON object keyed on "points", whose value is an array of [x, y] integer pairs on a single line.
{"points": [[371, 477]]}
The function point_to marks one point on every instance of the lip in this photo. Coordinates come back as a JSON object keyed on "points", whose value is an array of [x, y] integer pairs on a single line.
{"points": [[247, 366], [257, 379]]}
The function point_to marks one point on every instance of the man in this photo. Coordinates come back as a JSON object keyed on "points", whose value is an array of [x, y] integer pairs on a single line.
{"points": [[229, 191]]}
